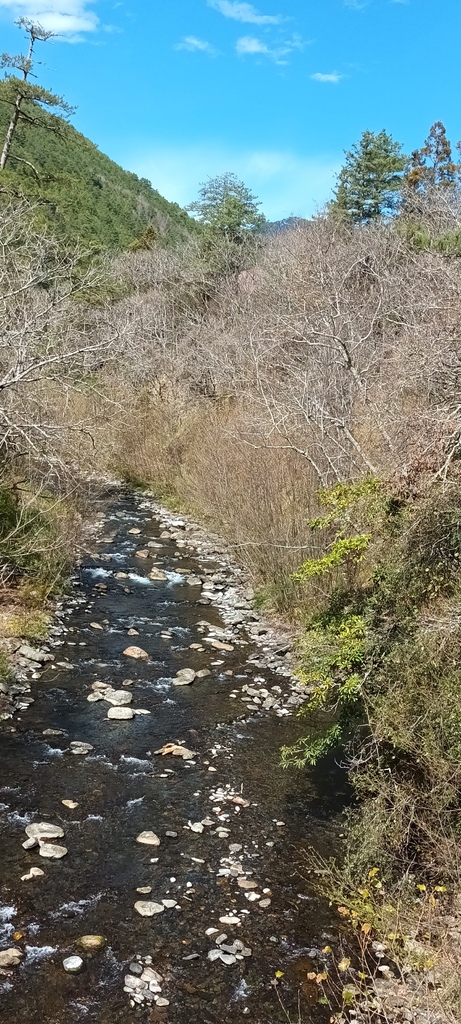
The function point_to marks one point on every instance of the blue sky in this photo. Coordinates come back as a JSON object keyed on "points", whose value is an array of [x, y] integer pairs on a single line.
{"points": [[179, 90]]}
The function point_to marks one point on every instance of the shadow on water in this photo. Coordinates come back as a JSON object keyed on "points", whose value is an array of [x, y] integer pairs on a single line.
{"points": [[122, 789]]}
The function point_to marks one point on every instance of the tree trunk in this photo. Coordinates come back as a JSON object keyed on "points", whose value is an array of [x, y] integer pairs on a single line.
{"points": [[10, 132]]}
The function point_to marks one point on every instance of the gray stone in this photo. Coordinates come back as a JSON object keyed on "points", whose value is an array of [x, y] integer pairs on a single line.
{"points": [[149, 838], [118, 698], [147, 908], [42, 830], [52, 852], [10, 957], [72, 964], [80, 748], [120, 714]]}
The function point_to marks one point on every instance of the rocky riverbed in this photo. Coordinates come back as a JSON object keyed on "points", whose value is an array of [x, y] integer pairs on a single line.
{"points": [[153, 849]]}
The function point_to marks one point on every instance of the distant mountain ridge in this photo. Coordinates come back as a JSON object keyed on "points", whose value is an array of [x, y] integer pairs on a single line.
{"points": [[83, 193]]}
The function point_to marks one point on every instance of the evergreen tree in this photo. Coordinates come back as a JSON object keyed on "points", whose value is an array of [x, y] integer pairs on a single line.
{"points": [[433, 166], [369, 183], [26, 100], [227, 207]]}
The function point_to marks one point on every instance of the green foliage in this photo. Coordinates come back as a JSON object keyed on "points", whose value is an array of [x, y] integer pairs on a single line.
{"points": [[345, 551], [226, 205], [369, 183], [382, 661], [82, 194], [29, 548], [232, 224]]}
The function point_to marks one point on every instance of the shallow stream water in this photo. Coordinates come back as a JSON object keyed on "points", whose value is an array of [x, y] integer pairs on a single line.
{"points": [[122, 788]]}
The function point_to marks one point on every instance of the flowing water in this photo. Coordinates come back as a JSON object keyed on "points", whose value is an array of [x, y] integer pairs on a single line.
{"points": [[122, 788]]}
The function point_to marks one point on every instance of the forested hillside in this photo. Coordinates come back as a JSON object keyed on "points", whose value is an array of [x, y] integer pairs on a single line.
{"points": [[82, 193]]}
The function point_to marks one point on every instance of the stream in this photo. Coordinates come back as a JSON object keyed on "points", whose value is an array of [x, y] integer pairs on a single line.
{"points": [[233, 826]]}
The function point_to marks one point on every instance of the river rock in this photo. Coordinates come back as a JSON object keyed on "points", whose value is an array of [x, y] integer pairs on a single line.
{"points": [[52, 852], [96, 625], [142, 553], [147, 908], [184, 677], [76, 747], [149, 975], [133, 632], [10, 957], [91, 941], [149, 838], [162, 1002], [135, 652], [72, 964], [220, 646], [134, 531], [157, 575], [95, 696], [33, 873], [119, 698], [42, 830], [203, 673], [34, 654], [71, 804], [120, 714]]}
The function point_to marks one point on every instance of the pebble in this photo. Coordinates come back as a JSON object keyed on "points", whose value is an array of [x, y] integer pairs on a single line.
{"points": [[10, 957], [144, 890], [80, 748], [33, 873], [91, 941], [72, 804], [52, 852], [149, 838], [72, 964], [148, 908]]}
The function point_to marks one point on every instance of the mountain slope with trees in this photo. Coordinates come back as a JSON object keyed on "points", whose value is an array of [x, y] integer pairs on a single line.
{"points": [[82, 193]]}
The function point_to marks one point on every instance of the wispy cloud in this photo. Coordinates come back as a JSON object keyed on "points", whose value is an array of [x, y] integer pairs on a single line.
{"points": [[68, 18], [248, 44], [194, 45], [252, 46], [244, 12], [286, 182], [333, 77]]}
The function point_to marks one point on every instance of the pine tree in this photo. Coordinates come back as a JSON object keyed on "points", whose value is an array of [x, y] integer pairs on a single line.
{"points": [[27, 100], [228, 207], [433, 166], [369, 182]]}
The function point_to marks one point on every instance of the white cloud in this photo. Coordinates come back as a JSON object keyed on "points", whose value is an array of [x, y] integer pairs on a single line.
{"points": [[244, 12], [333, 77], [66, 17], [192, 43], [287, 183], [248, 44]]}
